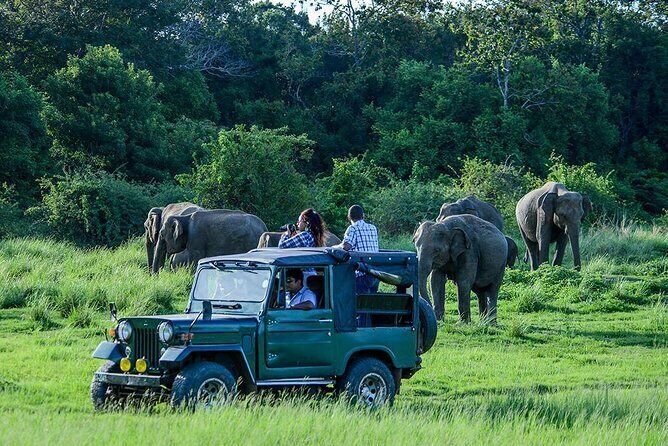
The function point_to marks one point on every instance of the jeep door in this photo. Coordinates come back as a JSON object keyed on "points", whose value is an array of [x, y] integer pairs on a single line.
{"points": [[298, 343]]}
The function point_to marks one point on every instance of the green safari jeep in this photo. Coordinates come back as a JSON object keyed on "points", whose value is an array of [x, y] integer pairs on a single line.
{"points": [[240, 333]]}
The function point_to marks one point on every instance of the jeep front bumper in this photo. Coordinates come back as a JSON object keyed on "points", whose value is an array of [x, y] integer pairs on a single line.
{"points": [[124, 379]]}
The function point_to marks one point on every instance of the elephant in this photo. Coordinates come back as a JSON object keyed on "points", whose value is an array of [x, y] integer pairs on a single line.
{"points": [[513, 252], [207, 233], [549, 214], [271, 239], [473, 206], [153, 224], [467, 250]]}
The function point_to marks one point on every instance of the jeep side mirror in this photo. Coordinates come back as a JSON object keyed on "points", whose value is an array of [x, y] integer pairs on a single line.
{"points": [[113, 311], [206, 309]]}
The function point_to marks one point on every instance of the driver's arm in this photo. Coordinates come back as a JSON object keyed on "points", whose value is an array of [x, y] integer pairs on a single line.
{"points": [[306, 305]]}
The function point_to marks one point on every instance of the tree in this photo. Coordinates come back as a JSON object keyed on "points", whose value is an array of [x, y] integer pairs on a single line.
{"points": [[253, 170], [105, 113], [23, 142]]}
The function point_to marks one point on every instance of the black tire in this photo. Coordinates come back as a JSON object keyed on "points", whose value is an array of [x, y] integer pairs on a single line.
{"points": [[102, 394], [196, 385], [428, 326], [368, 381]]}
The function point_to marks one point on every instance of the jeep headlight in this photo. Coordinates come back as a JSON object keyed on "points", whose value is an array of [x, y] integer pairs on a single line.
{"points": [[124, 331], [165, 332]]}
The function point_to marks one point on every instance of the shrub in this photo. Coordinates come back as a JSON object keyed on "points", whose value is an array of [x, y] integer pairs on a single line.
{"points": [[500, 184], [351, 182], [402, 206], [584, 179], [253, 170], [94, 208], [97, 208]]}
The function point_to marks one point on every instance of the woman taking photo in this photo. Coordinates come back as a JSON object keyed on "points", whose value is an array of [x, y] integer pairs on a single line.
{"points": [[310, 232]]}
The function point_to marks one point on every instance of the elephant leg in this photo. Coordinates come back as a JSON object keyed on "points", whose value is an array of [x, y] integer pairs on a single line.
{"points": [[438, 280], [532, 251], [482, 304], [464, 301], [492, 295], [562, 240]]}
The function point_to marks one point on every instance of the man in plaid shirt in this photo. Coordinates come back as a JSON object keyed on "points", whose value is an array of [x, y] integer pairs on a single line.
{"points": [[361, 236]]}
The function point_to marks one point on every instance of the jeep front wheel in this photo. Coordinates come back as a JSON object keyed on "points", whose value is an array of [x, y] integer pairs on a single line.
{"points": [[102, 394], [368, 381], [203, 384]]}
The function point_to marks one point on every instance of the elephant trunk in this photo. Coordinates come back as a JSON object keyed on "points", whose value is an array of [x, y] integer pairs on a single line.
{"points": [[424, 267], [150, 251], [574, 237], [160, 255]]}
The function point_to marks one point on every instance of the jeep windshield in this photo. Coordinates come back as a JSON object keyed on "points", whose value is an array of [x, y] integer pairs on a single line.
{"points": [[230, 288]]}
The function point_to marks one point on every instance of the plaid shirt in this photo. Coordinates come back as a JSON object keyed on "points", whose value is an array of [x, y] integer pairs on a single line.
{"points": [[300, 240], [361, 236]]}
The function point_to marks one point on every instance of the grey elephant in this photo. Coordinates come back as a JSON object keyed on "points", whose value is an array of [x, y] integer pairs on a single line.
{"points": [[513, 252], [271, 239], [153, 224], [551, 214], [467, 250], [473, 206], [208, 233]]}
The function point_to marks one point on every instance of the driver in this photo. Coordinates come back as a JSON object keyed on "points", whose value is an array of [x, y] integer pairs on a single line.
{"points": [[298, 295]]}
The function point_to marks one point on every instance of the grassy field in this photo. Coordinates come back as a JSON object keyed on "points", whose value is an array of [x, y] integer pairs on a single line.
{"points": [[577, 358]]}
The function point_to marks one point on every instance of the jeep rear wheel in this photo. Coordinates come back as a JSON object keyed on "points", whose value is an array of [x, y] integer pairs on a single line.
{"points": [[428, 326], [203, 384], [102, 394], [368, 381]]}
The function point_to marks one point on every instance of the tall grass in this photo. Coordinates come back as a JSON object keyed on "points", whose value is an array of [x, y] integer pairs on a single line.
{"points": [[74, 282]]}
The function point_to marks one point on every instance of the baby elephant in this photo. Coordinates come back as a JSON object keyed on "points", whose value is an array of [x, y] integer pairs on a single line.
{"points": [[467, 250]]}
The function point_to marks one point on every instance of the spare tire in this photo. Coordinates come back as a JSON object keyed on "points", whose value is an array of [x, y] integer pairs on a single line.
{"points": [[428, 326]]}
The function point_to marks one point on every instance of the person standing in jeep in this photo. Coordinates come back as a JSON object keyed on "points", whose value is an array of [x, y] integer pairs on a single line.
{"points": [[361, 236]]}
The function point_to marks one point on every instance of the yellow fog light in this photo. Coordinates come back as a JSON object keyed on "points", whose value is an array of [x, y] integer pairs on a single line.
{"points": [[126, 365], [141, 365]]}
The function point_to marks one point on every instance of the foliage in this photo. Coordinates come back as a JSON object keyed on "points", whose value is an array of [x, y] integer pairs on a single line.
{"points": [[97, 208], [22, 133], [253, 170], [351, 182], [104, 113], [585, 179], [500, 184], [399, 208]]}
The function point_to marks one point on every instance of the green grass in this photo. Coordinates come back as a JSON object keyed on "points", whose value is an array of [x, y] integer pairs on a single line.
{"points": [[577, 358]]}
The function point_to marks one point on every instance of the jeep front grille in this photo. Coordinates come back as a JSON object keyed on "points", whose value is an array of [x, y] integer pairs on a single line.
{"points": [[147, 346]]}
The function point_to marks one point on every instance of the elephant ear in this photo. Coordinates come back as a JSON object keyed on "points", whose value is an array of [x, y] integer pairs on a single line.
{"points": [[177, 229], [586, 206], [546, 205], [459, 243]]}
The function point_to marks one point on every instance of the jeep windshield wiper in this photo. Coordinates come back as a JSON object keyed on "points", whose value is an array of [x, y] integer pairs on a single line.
{"points": [[236, 306]]}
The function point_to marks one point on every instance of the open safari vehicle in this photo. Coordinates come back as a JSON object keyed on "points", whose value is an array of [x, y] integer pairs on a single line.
{"points": [[237, 335]]}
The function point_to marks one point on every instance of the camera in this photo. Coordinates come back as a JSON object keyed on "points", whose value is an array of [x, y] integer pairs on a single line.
{"points": [[290, 227]]}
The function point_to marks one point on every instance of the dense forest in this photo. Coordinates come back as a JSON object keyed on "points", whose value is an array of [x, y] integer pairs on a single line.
{"points": [[109, 107]]}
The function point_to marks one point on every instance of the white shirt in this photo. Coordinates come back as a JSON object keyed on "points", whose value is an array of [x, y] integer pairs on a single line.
{"points": [[304, 295]]}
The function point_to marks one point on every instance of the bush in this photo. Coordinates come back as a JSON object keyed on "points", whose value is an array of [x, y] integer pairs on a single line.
{"points": [[401, 207], [97, 208], [584, 179], [351, 182], [253, 170], [12, 296], [499, 184]]}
